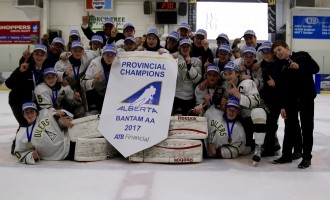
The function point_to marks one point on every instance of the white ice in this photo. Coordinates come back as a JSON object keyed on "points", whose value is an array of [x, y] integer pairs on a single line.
{"points": [[117, 179]]}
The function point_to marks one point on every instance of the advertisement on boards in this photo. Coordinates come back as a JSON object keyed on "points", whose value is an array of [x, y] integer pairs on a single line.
{"points": [[17, 32]]}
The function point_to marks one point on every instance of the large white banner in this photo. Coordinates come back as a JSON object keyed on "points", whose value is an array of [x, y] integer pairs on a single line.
{"points": [[138, 102]]}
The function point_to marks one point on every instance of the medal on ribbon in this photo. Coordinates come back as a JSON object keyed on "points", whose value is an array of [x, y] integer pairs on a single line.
{"points": [[230, 130], [29, 144]]}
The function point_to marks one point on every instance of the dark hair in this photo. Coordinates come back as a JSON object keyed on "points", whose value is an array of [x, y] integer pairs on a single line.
{"points": [[279, 43]]}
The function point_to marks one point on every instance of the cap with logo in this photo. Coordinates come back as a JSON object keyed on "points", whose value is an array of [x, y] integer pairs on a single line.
{"points": [[231, 66], [29, 105], [173, 35], [201, 32], [224, 36], [74, 32], [184, 25], [213, 68], [128, 25], [50, 71], [184, 41], [153, 31], [40, 47], [109, 49], [97, 38], [250, 50], [77, 44], [224, 48], [266, 46], [58, 40], [249, 32], [129, 38], [233, 103]]}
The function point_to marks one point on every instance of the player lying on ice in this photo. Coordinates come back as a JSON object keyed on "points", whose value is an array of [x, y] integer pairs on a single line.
{"points": [[44, 138]]}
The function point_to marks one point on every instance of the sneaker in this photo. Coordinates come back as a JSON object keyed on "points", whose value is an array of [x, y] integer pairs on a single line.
{"points": [[282, 160], [257, 153], [304, 164], [296, 155]]}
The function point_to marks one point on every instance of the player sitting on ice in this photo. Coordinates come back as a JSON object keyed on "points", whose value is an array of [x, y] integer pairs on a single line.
{"points": [[44, 138], [226, 137], [52, 94], [253, 116]]}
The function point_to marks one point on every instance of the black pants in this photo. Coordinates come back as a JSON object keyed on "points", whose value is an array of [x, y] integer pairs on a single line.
{"points": [[17, 111], [271, 128], [94, 99], [305, 109], [181, 106], [72, 149], [249, 130]]}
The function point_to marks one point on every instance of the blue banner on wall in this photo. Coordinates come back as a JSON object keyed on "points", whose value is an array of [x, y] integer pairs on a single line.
{"points": [[311, 27], [322, 83]]}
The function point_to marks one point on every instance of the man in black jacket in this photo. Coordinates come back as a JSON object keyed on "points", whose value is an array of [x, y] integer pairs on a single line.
{"points": [[298, 92], [109, 33]]}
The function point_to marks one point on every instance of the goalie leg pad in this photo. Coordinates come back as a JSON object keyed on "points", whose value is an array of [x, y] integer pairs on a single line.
{"points": [[94, 149], [172, 151]]}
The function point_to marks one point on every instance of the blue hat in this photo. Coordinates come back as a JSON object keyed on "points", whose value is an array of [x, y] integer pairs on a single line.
{"points": [[249, 32], [109, 21], [29, 105], [225, 48], [109, 49], [184, 41], [77, 44], [231, 66], [97, 38], [58, 40], [153, 31], [50, 70], [266, 46], [174, 35], [233, 103], [74, 32], [250, 50], [224, 36], [213, 68], [201, 32], [129, 38], [184, 25], [40, 47], [128, 25]]}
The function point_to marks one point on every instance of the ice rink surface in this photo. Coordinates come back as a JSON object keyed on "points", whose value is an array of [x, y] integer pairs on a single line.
{"points": [[117, 179]]}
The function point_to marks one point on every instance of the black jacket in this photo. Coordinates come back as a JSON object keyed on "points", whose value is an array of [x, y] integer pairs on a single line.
{"points": [[22, 84], [297, 83], [89, 34]]}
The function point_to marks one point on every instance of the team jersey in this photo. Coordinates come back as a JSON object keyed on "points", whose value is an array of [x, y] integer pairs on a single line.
{"points": [[250, 97], [77, 71], [230, 144], [48, 139], [87, 80], [256, 76], [52, 98], [186, 80]]}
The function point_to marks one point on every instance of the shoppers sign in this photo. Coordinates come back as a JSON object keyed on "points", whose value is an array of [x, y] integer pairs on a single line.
{"points": [[19, 32]]}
